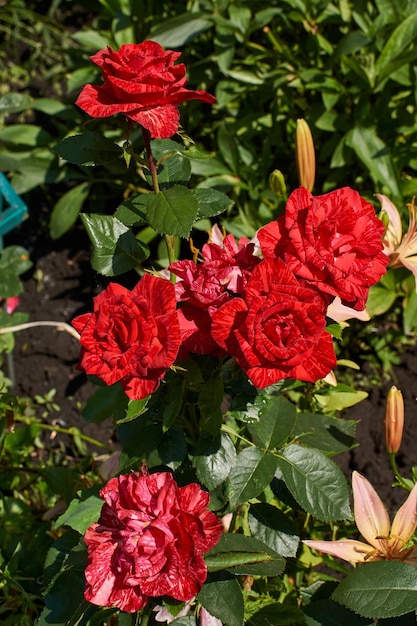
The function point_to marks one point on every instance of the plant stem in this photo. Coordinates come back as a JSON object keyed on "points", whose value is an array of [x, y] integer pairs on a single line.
{"points": [[397, 474], [59, 325], [65, 431], [169, 239]]}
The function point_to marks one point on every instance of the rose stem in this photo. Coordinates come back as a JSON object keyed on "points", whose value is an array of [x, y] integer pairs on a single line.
{"points": [[169, 239]]}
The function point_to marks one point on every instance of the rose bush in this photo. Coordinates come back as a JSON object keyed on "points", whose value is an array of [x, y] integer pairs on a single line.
{"points": [[149, 541], [333, 241], [276, 329], [142, 82], [131, 336]]}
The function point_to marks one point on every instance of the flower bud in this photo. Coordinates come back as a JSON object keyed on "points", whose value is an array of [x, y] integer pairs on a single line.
{"points": [[305, 155], [394, 420], [277, 183]]}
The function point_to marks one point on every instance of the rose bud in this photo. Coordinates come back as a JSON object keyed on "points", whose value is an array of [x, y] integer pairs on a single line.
{"points": [[394, 420], [305, 155]]}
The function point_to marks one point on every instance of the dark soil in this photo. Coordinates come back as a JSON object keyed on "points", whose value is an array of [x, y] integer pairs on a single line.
{"points": [[45, 358]]}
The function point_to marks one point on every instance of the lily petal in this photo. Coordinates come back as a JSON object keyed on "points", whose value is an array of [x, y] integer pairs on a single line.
{"points": [[410, 263], [393, 235], [347, 549], [371, 515], [405, 521]]}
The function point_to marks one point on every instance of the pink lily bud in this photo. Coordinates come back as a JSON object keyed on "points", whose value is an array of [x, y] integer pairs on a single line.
{"points": [[394, 420], [305, 155]]}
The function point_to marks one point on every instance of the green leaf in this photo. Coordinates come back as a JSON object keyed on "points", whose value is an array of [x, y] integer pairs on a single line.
{"points": [[213, 459], [403, 36], [330, 434], [171, 449], [375, 155], [410, 313], [173, 166], [88, 149], [177, 31], [25, 134], [380, 299], [277, 613], [212, 202], [222, 597], [270, 525], [58, 554], [277, 419], [66, 210], [251, 474], [14, 260], [132, 212], [244, 556], [172, 211], [116, 250], [14, 103], [380, 589], [316, 482], [134, 409], [330, 613], [209, 403], [82, 511], [101, 404]]}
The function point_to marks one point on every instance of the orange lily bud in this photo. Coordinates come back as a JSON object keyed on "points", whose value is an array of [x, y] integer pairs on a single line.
{"points": [[394, 420], [305, 155]]}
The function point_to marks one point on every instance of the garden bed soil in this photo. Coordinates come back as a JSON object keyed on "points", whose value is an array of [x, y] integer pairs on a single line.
{"points": [[61, 285]]}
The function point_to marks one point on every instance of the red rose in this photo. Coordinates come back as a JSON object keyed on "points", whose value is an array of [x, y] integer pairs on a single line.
{"points": [[131, 336], [149, 541], [204, 287], [333, 241], [142, 82], [276, 329]]}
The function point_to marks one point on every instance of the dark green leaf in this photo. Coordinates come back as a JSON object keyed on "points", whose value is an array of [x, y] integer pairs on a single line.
{"points": [[330, 613], [222, 596], [316, 483], [380, 589], [88, 149], [213, 459], [14, 103], [277, 613], [209, 402], [116, 250], [410, 313], [172, 211], [404, 35], [251, 474], [82, 511], [277, 418], [178, 30], [101, 405], [270, 525], [132, 212], [66, 210], [134, 409], [330, 434], [244, 556], [25, 134], [212, 202], [375, 155]]}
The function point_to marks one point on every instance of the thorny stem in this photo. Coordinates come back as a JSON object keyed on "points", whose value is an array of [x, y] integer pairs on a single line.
{"points": [[59, 326], [169, 239]]}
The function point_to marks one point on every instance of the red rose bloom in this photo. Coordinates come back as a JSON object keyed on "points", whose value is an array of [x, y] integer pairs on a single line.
{"points": [[131, 336], [333, 241], [276, 329], [149, 541], [142, 82], [204, 287]]}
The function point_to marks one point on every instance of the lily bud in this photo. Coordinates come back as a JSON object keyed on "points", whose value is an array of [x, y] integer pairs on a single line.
{"points": [[394, 420], [305, 155], [277, 183]]}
